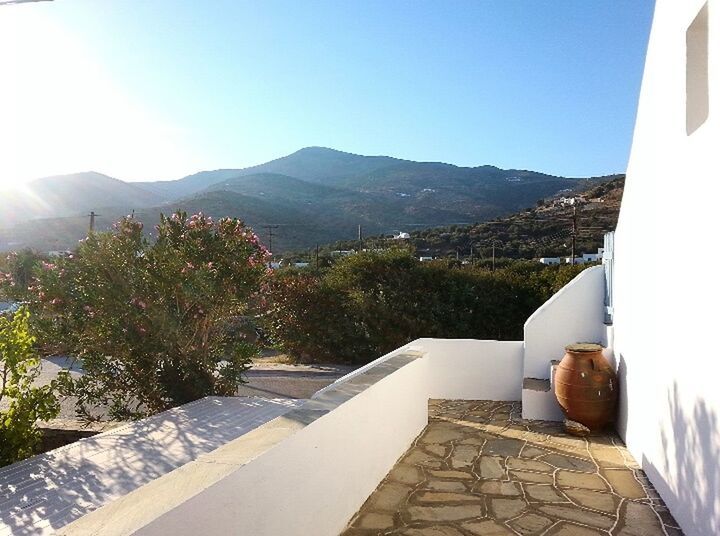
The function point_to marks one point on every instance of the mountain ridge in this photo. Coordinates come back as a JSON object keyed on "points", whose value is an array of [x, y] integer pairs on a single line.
{"points": [[328, 193]]}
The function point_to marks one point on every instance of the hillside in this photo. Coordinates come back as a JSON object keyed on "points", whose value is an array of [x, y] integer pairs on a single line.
{"points": [[542, 231], [315, 195], [65, 195]]}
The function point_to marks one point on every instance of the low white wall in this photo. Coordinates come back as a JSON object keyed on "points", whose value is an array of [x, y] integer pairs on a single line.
{"points": [[474, 370], [319, 474], [574, 314], [316, 479]]}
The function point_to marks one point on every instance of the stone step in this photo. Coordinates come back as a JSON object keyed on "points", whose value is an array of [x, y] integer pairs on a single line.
{"points": [[538, 397], [536, 384]]}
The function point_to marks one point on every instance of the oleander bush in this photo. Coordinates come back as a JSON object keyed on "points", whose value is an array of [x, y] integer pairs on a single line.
{"points": [[153, 323]]}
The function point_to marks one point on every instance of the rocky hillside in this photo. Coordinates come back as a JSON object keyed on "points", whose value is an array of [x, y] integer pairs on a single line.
{"points": [[542, 231]]}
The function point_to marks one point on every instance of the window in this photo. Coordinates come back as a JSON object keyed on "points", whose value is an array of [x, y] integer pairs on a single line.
{"points": [[696, 72]]}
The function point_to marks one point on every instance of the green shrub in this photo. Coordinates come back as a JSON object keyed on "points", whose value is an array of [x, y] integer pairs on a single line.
{"points": [[16, 273], [22, 403], [369, 304]]}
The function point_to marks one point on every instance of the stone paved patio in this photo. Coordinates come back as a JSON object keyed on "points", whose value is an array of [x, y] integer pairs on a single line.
{"points": [[479, 469]]}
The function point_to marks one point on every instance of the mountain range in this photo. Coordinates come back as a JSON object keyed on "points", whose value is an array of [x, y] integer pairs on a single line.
{"points": [[315, 195]]}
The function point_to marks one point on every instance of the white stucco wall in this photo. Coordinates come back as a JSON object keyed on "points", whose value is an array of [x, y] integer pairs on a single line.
{"points": [[574, 314], [340, 458], [297, 479], [666, 310], [316, 479], [474, 370]]}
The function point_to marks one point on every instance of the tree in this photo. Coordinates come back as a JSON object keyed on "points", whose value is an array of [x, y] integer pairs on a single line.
{"points": [[22, 403], [154, 323], [16, 273]]}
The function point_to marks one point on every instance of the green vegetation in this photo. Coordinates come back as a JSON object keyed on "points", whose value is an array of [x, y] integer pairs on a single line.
{"points": [[16, 273], [22, 403], [158, 323], [154, 324], [366, 305], [542, 231]]}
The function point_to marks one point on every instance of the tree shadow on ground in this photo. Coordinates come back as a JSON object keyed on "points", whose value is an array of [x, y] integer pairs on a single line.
{"points": [[50, 490]]}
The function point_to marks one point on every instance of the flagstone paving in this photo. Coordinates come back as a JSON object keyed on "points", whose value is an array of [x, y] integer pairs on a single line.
{"points": [[479, 469]]}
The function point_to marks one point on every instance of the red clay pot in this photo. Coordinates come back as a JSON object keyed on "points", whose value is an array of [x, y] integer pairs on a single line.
{"points": [[586, 386]]}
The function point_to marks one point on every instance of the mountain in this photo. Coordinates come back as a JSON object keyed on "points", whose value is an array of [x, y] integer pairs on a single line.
{"points": [[65, 195], [314, 164], [313, 195]]}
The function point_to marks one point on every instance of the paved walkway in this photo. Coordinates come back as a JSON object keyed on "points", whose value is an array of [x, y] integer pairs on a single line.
{"points": [[479, 469]]}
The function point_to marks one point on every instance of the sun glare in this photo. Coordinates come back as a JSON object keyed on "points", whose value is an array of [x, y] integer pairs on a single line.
{"points": [[63, 113]]}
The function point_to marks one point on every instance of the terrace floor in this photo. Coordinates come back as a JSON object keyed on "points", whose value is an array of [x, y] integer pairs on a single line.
{"points": [[479, 469]]}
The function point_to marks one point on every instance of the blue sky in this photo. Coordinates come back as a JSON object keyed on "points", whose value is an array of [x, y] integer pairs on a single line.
{"points": [[159, 89]]}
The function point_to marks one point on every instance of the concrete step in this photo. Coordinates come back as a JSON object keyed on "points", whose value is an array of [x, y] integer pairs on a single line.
{"points": [[538, 398]]}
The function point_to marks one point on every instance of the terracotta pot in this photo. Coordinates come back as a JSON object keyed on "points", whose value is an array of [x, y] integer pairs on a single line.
{"points": [[586, 386]]}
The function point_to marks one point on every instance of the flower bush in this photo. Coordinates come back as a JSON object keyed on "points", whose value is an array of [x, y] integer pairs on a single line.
{"points": [[149, 321]]}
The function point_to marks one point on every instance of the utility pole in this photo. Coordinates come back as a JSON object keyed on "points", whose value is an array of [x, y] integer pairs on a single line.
{"points": [[317, 257], [269, 229], [574, 233], [360, 239], [493, 256], [92, 221]]}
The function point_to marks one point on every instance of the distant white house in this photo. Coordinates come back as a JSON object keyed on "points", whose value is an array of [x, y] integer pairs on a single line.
{"points": [[425, 259], [586, 258], [401, 236], [594, 257], [342, 252], [550, 261]]}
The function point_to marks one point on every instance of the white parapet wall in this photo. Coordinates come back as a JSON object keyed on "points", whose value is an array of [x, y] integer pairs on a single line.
{"points": [[310, 470], [465, 369], [573, 314], [314, 480]]}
